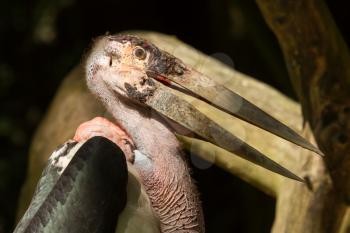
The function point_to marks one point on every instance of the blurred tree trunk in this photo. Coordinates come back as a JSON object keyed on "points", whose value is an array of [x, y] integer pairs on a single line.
{"points": [[318, 61]]}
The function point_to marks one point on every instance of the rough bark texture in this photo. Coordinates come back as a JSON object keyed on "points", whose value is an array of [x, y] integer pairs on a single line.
{"points": [[317, 59], [73, 105]]}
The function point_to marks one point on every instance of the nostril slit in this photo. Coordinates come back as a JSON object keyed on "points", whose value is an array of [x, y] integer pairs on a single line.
{"points": [[110, 61]]}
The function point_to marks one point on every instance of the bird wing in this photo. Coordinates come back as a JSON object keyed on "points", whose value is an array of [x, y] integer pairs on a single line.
{"points": [[82, 189]]}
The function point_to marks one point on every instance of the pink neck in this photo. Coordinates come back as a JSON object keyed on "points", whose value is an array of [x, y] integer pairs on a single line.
{"points": [[167, 181]]}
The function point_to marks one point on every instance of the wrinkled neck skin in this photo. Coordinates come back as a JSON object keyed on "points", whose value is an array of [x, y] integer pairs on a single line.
{"points": [[161, 164]]}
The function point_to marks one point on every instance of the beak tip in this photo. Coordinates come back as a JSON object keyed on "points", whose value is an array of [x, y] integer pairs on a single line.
{"points": [[301, 180], [293, 176], [318, 151], [321, 153]]}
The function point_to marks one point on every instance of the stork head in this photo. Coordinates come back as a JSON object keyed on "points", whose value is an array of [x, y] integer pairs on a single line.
{"points": [[129, 67], [120, 64]]}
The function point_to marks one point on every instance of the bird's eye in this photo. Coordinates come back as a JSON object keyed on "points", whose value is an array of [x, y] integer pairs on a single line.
{"points": [[140, 53]]}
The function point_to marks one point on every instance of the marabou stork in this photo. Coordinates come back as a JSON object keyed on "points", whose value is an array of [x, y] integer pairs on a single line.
{"points": [[137, 83]]}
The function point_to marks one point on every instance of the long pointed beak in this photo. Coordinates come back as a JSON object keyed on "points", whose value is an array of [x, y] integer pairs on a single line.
{"points": [[198, 85], [164, 101]]}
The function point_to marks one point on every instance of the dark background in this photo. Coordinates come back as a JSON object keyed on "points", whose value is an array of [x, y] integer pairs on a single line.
{"points": [[40, 41]]}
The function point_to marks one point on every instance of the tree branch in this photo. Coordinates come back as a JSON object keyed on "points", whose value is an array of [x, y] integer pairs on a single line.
{"points": [[317, 59]]}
